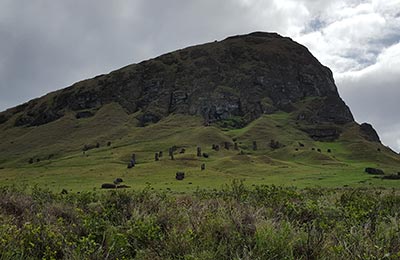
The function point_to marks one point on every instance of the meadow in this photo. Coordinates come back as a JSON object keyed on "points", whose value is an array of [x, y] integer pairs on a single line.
{"points": [[58, 161]]}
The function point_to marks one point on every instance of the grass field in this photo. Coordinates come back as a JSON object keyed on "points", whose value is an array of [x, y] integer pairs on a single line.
{"points": [[63, 165]]}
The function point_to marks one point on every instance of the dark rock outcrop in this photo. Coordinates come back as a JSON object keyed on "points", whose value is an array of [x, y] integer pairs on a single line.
{"points": [[323, 134], [180, 176], [3, 119], [374, 171], [108, 186], [369, 132], [118, 181], [392, 177], [84, 114], [123, 186]]}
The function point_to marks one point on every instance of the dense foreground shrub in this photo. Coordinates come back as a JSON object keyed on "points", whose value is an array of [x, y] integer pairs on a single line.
{"points": [[265, 222]]}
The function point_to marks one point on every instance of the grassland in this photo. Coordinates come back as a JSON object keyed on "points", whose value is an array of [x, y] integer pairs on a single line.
{"points": [[63, 165]]}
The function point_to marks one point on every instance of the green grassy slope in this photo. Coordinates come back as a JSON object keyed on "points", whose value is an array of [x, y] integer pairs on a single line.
{"points": [[58, 146]]}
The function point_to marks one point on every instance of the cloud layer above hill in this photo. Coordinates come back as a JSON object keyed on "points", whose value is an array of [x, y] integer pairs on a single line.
{"points": [[47, 45]]}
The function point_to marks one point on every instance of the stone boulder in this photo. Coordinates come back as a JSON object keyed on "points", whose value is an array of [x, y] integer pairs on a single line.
{"points": [[180, 176], [374, 171], [369, 133], [108, 186]]}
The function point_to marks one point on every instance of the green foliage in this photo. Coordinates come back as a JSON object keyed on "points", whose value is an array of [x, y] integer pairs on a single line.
{"points": [[266, 222], [233, 122]]}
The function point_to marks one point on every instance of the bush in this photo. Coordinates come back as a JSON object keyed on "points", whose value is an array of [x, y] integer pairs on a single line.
{"points": [[266, 222]]}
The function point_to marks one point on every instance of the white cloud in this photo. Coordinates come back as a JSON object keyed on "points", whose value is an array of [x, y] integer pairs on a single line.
{"points": [[359, 41], [374, 94]]}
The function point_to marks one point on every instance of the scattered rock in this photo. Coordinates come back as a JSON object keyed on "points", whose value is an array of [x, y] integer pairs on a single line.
{"points": [[131, 164], [180, 176], [374, 171], [254, 146], [123, 186], [83, 114], [118, 181], [108, 186], [227, 145], [205, 155], [391, 177], [88, 147], [215, 147], [323, 134], [275, 144]]}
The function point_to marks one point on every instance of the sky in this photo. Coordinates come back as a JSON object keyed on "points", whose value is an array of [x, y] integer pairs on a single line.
{"points": [[47, 45]]}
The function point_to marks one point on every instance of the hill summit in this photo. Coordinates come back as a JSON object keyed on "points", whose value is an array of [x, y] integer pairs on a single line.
{"points": [[242, 76], [255, 88]]}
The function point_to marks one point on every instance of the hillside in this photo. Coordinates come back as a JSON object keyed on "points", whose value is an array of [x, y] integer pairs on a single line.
{"points": [[270, 106]]}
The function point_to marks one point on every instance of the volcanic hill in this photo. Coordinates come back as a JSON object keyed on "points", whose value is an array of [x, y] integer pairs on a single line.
{"points": [[260, 106]]}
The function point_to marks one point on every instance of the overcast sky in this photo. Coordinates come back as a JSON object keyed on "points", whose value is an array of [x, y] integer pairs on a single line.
{"points": [[47, 44]]}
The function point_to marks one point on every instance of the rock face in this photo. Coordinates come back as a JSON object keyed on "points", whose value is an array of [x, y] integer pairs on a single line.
{"points": [[242, 76], [369, 132]]}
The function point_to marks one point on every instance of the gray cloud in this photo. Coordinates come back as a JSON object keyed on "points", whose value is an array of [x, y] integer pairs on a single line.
{"points": [[47, 45], [374, 94]]}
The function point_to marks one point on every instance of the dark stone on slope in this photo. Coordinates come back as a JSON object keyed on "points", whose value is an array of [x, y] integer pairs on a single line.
{"points": [[3, 119], [323, 134], [392, 177], [374, 171], [369, 133], [108, 186], [180, 176], [123, 186], [118, 181], [84, 114]]}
